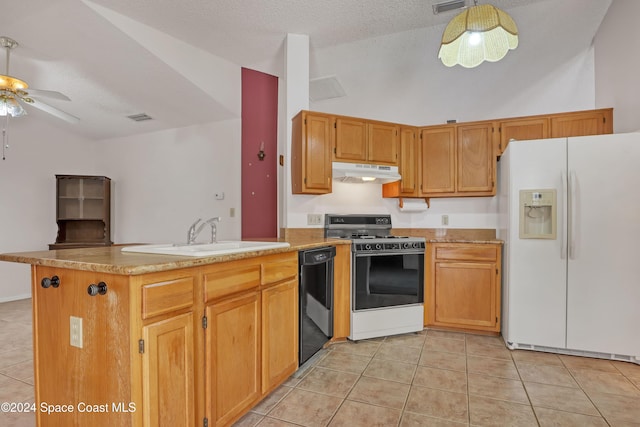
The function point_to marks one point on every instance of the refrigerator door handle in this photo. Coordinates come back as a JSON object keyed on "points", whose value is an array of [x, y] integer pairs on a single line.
{"points": [[570, 214], [563, 231]]}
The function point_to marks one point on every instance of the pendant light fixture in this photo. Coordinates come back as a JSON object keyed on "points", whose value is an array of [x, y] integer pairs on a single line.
{"points": [[480, 33]]}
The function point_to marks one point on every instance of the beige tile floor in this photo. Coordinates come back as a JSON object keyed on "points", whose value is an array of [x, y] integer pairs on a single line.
{"points": [[437, 378], [432, 378]]}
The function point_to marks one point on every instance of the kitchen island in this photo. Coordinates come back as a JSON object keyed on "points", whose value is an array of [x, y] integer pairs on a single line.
{"points": [[132, 339]]}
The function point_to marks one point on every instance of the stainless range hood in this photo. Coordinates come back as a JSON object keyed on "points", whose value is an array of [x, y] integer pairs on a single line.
{"points": [[365, 173]]}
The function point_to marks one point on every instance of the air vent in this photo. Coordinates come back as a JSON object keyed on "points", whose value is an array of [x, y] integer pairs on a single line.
{"points": [[448, 5], [140, 117], [325, 88]]}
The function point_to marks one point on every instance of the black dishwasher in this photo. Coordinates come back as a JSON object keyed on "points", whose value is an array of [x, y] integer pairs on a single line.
{"points": [[316, 300]]}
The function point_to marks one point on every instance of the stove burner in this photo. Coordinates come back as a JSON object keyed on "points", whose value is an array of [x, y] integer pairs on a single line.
{"points": [[371, 234]]}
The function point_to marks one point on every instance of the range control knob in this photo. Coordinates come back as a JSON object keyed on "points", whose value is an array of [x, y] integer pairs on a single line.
{"points": [[367, 247], [100, 288], [378, 246], [416, 245], [406, 245], [47, 282]]}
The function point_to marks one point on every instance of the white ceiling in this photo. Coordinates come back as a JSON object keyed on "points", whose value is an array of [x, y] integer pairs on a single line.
{"points": [[110, 56]]}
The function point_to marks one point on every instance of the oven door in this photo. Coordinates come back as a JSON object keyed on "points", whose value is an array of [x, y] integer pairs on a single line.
{"points": [[387, 279]]}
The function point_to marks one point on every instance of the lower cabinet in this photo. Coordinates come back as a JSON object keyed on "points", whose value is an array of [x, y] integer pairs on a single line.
{"points": [[168, 372], [233, 366], [463, 286], [251, 335], [279, 333], [194, 346]]}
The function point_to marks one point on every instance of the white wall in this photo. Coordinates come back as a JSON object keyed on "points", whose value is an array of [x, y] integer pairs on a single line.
{"points": [[398, 78], [27, 192], [164, 181], [617, 44]]}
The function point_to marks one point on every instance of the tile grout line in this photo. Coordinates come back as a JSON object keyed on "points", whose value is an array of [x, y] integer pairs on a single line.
{"points": [[535, 414], [584, 391]]}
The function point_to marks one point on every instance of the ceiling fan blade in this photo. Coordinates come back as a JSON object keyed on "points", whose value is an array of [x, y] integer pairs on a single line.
{"points": [[51, 110], [48, 94]]}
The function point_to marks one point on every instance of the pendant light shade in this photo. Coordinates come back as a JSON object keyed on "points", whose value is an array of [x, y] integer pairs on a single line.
{"points": [[480, 33]]}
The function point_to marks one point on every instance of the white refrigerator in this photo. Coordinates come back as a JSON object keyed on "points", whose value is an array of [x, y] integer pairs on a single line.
{"points": [[577, 292]]}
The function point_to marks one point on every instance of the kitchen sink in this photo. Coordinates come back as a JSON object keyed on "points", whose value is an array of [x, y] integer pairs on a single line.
{"points": [[206, 249]]}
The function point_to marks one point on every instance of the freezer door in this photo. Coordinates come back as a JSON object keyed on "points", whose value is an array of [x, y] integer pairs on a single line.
{"points": [[604, 269], [534, 277]]}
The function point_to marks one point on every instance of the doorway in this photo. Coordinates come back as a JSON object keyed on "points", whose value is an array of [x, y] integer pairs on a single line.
{"points": [[259, 155]]}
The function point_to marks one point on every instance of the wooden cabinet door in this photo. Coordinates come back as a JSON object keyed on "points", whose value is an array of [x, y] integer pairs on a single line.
{"points": [[382, 143], [168, 372], [437, 160], [351, 140], [279, 333], [476, 160], [318, 136], [465, 294], [311, 153], [522, 129], [408, 164], [233, 362], [580, 124]]}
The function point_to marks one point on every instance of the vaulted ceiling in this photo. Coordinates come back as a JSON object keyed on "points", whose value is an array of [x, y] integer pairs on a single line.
{"points": [[166, 58]]}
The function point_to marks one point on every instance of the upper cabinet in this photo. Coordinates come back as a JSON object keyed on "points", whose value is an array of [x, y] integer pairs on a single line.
{"points": [[437, 164], [311, 153], [446, 161], [409, 162], [457, 160], [351, 140], [452, 160], [382, 143], [521, 129], [476, 160], [363, 141], [561, 125], [582, 123]]}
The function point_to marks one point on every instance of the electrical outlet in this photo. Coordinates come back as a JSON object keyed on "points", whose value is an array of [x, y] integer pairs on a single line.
{"points": [[75, 331], [445, 219], [314, 219], [220, 195]]}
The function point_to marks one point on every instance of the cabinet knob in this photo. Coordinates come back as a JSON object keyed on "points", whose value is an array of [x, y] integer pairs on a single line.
{"points": [[48, 282], [100, 288]]}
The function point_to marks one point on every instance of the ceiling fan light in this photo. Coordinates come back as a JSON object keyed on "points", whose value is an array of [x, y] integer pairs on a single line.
{"points": [[11, 83], [480, 33], [9, 106]]}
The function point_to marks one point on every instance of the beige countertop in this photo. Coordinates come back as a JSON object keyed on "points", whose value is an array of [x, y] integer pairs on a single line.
{"points": [[111, 260]]}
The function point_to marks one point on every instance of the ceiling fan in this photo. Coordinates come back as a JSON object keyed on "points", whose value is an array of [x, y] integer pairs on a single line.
{"points": [[14, 93]]}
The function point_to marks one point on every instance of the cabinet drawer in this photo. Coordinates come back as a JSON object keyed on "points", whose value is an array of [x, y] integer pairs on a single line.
{"points": [[463, 252], [163, 297], [230, 280], [277, 271]]}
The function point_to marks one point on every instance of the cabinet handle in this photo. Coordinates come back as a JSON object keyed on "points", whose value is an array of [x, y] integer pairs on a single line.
{"points": [[48, 282], [100, 288]]}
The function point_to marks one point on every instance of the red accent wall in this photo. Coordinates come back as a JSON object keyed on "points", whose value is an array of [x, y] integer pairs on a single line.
{"points": [[259, 177]]}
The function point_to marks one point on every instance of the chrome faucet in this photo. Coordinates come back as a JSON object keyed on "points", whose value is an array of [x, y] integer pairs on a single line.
{"points": [[194, 229], [214, 228], [193, 233]]}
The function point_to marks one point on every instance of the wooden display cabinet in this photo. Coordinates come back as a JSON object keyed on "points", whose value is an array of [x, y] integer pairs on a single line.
{"points": [[83, 211]]}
